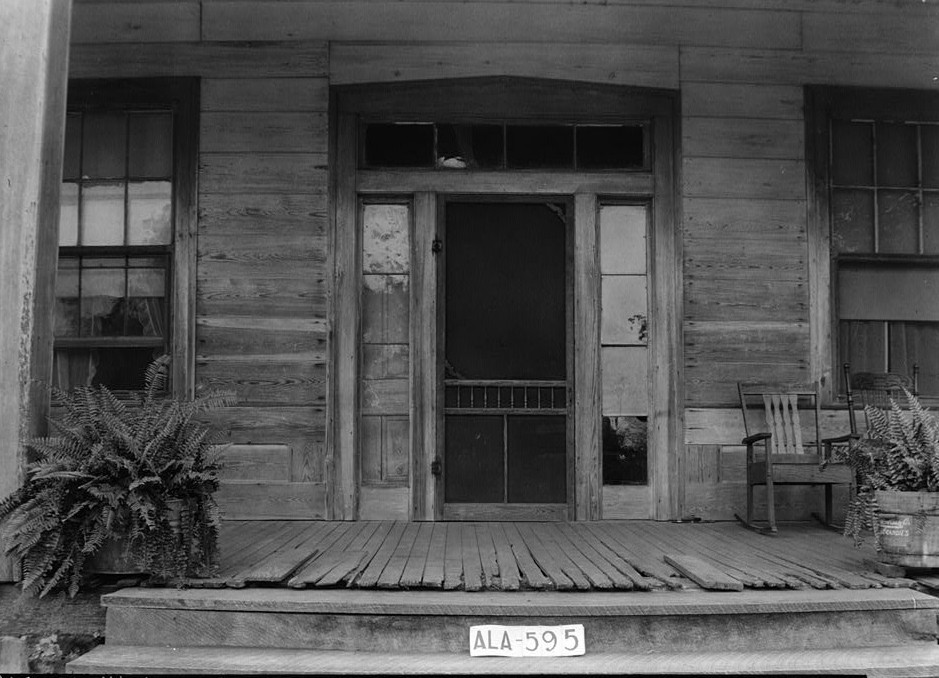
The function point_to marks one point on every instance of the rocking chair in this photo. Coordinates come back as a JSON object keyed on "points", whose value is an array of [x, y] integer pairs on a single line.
{"points": [[792, 454], [876, 389]]}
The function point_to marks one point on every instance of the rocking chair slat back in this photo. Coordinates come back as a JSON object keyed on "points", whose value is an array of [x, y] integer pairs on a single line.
{"points": [[781, 417], [782, 421]]}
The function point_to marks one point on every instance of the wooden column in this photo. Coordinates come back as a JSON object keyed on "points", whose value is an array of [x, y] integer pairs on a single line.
{"points": [[34, 37]]}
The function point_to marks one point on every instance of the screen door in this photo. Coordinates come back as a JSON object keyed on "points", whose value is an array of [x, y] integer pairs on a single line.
{"points": [[506, 356]]}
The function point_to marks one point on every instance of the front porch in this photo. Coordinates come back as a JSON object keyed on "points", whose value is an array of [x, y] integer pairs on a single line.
{"points": [[511, 556], [684, 602]]}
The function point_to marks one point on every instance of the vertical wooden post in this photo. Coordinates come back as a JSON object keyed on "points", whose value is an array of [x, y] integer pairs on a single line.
{"points": [[587, 405], [34, 37]]}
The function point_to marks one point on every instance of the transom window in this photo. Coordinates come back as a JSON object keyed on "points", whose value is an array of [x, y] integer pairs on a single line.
{"points": [[883, 209], [504, 146], [118, 218]]}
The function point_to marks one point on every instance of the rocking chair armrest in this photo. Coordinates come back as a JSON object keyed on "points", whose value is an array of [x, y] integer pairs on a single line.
{"points": [[756, 437], [848, 437]]}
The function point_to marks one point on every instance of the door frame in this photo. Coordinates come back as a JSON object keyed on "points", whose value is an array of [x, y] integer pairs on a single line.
{"points": [[481, 99]]}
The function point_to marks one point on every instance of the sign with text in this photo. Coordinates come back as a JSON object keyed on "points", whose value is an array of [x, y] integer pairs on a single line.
{"points": [[493, 640]]}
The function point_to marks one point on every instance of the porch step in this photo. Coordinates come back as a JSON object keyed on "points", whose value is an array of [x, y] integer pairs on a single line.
{"points": [[919, 660], [435, 622]]}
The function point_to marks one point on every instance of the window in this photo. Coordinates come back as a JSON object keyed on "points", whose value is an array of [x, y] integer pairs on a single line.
{"points": [[879, 169], [124, 199]]}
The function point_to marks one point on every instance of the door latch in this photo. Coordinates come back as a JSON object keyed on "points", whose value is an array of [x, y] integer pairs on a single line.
{"points": [[436, 466], [436, 246]]}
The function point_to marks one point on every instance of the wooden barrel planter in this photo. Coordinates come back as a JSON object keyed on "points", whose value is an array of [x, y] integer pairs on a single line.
{"points": [[909, 528]]}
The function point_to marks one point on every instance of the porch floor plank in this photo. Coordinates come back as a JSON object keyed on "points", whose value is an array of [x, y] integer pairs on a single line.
{"points": [[453, 557], [531, 556], [390, 577], [376, 565], [291, 554], [434, 566], [529, 569], [544, 557], [509, 577], [472, 563], [371, 546], [413, 572]]}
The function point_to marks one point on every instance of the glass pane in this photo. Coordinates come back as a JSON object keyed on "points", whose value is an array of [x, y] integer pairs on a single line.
{"points": [[915, 344], [852, 220], [625, 451], [623, 310], [863, 344], [930, 144], [150, 213], [897, 156], [102, 312], [852, 152], [931, 223], [385, 244], [469, 146], [505, 291], [537, 459], [399, 145], [625, 379], [385, 309], [68, 214], [474, 461], [66, 298], [622, 239], [899, 222], [539, 146], [150, 137], [103, 214], [610, 147], [146, 303], [104, 150], [71, 163], [116, 368], [888, 292]]}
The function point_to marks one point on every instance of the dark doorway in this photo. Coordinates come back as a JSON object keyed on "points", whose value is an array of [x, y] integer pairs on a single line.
{"points": [[506, 354]]}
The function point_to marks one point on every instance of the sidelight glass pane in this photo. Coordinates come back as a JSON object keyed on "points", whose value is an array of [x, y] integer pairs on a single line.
{"points": [[399, 145], [539, 146], [852, 220], [150, 141], [625, 450], [102, 208], [602, 147], [898, 213], [149, 213], [385, 309], [104, 150], [623, 239], [470, 146], [537, 459], [852, 153], [897, 156], [623, 305], [625, 379], [68, 215], [385, 242], [931, 223]]}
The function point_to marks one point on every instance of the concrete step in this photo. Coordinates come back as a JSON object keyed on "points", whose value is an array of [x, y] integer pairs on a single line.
{"points": [[438, 622], [918, 660]]}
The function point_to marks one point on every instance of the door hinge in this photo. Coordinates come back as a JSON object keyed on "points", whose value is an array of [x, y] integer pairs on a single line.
{"points": [[436, 246], [436, 466]]}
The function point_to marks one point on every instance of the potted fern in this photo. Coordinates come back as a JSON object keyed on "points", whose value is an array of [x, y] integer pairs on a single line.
{"points": [[139, 472], [897, 471]]}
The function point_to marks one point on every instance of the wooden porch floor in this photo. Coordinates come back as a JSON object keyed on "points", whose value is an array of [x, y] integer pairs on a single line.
{"points": [[621, 555]]}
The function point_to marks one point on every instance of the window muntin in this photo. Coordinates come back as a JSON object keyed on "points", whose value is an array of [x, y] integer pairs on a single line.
{"points": [[116, 257], [883, 200]]}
